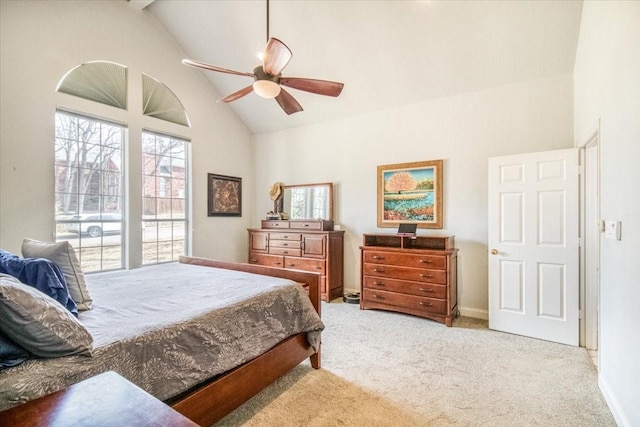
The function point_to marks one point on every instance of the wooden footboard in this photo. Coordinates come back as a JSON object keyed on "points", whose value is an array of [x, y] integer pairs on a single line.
{"points": [[212, 401]]}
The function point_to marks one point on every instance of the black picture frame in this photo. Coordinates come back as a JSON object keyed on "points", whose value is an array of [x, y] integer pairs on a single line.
{"points": [[224, 195]]}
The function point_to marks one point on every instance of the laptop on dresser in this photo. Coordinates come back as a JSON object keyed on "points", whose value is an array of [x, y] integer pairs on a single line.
{"points": [[407, 229]]}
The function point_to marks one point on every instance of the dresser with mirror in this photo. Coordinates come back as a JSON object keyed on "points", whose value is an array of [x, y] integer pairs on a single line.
{"points": [[306, 239]]}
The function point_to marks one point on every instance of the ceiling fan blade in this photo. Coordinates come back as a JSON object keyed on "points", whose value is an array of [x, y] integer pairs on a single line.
{"points": [[276, 56], [321, 87], [288, 102], [238, 94], [210, 67]]}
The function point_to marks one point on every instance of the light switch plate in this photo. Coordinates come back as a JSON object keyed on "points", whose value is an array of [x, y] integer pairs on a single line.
{"points": [[612, 229]]}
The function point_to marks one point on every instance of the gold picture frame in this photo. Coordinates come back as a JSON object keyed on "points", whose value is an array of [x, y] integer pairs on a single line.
{"points": [[410, 193]]}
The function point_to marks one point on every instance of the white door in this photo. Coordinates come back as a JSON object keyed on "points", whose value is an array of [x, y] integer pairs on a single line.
{"points": [[533, 245]]}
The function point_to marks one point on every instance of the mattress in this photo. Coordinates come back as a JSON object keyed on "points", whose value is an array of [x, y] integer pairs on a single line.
{"points": [[168, 328]]}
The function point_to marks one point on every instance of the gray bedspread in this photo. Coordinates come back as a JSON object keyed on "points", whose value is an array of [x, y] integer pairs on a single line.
{"points": [[170, 327]]}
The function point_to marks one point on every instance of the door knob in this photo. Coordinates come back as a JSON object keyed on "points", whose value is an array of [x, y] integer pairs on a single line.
{"points": [[494, 252]]}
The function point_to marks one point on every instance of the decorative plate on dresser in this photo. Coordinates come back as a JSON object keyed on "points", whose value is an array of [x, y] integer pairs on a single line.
{"points": [[410, 274]]}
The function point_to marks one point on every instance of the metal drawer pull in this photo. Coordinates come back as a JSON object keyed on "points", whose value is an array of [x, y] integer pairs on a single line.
{"points": [[426, 261], [378, 283], [291, 264], [426, 304], [285, 236], [285, 244], [378, 270], [277, 263], [318, 268], [285, 252], [306, 225], [427, 276], [426, 290], [378, 257], [378, 296]]}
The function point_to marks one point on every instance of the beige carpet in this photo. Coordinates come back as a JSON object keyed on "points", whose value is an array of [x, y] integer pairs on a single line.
{"points": [[307, 397], [389, 369]]}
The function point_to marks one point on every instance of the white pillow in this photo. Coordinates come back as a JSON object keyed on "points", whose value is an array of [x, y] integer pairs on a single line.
{"points": [[64, 256], [40, 324]]}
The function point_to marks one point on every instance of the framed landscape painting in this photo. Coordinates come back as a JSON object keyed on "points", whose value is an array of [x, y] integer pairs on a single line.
{"points": [[224, 195], [410, 193]]}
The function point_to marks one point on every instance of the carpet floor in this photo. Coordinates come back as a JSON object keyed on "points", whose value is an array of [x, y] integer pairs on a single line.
{"points": [[389, 369]]}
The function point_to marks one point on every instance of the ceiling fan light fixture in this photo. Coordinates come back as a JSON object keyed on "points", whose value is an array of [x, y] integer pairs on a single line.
{"points": [[266, 88]]}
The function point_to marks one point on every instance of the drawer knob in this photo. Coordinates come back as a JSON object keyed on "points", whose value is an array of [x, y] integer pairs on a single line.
{"points": [[285, 252], [285, 244], [318, 268], [277, 263], [426, 304], [306, 225], [426, 289], [426, 276], [291, 264], [286, 237], [254, 260], [426, 261]]}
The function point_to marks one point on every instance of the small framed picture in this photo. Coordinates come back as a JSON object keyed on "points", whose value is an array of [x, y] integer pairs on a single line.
{"points": [[224, 195]]}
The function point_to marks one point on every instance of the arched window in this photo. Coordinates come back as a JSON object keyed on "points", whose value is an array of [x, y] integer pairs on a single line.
{"points": [[91, 170]]}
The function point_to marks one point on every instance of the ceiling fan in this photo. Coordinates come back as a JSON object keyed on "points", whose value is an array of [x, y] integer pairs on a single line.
{"points": [[268, 79]]}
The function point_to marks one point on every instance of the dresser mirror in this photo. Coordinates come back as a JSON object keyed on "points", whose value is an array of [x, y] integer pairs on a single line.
{"points": [[308, 201]]}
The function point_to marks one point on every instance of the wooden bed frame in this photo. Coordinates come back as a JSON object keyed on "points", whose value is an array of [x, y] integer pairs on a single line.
{"points": [[210, 402]]}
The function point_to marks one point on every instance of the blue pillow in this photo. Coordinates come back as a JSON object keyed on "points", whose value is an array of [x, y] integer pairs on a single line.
{"points": [[11, 354], [41, 274]]}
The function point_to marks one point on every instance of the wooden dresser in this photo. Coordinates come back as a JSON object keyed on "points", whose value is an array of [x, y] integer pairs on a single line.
{"points": [[410, 274], [307, 245]]}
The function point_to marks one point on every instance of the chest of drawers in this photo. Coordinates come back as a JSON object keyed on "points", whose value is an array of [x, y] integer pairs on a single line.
{"points": [[413, 275], [302, 245]]}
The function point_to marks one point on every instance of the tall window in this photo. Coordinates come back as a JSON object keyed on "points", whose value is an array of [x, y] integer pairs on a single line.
{"points": [[89, 193], [164, 192]]}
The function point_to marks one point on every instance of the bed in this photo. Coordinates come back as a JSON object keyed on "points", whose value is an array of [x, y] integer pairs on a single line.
{"points": [[201, 352]]}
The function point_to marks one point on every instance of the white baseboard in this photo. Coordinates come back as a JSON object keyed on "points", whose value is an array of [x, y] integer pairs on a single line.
{"points": [[474, 312], [612, 402]]}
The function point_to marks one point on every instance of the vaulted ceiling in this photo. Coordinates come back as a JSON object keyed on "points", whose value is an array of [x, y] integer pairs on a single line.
{"points": [[387, 53]]}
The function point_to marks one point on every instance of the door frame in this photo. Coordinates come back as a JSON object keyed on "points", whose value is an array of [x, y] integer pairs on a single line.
{"points": [[590, 248]]}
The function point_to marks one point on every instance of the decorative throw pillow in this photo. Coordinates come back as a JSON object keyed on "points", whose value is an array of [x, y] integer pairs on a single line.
{"points": [[64, 256], [38, 323], [40, 273]]}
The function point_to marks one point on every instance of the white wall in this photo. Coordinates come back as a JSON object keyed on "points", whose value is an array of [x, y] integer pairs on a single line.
{"points": [[607, 88], [40, 42], [464, 130]]}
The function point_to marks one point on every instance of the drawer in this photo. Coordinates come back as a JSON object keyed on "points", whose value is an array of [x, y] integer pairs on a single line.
{"points": [[285, 251], [413, 288], [408, 260], [431, 305], [275, 224], [404, 273], [292, 244], [268, 260], [307, 225], [285, 236], [312, 265]]}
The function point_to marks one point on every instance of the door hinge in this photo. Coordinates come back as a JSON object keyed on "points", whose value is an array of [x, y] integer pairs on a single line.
{"points": [[580, 314], [580, 169], [580, 242]]}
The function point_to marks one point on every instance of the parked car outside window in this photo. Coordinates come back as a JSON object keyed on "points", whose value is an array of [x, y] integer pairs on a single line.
{"points": [[95, 225]]}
